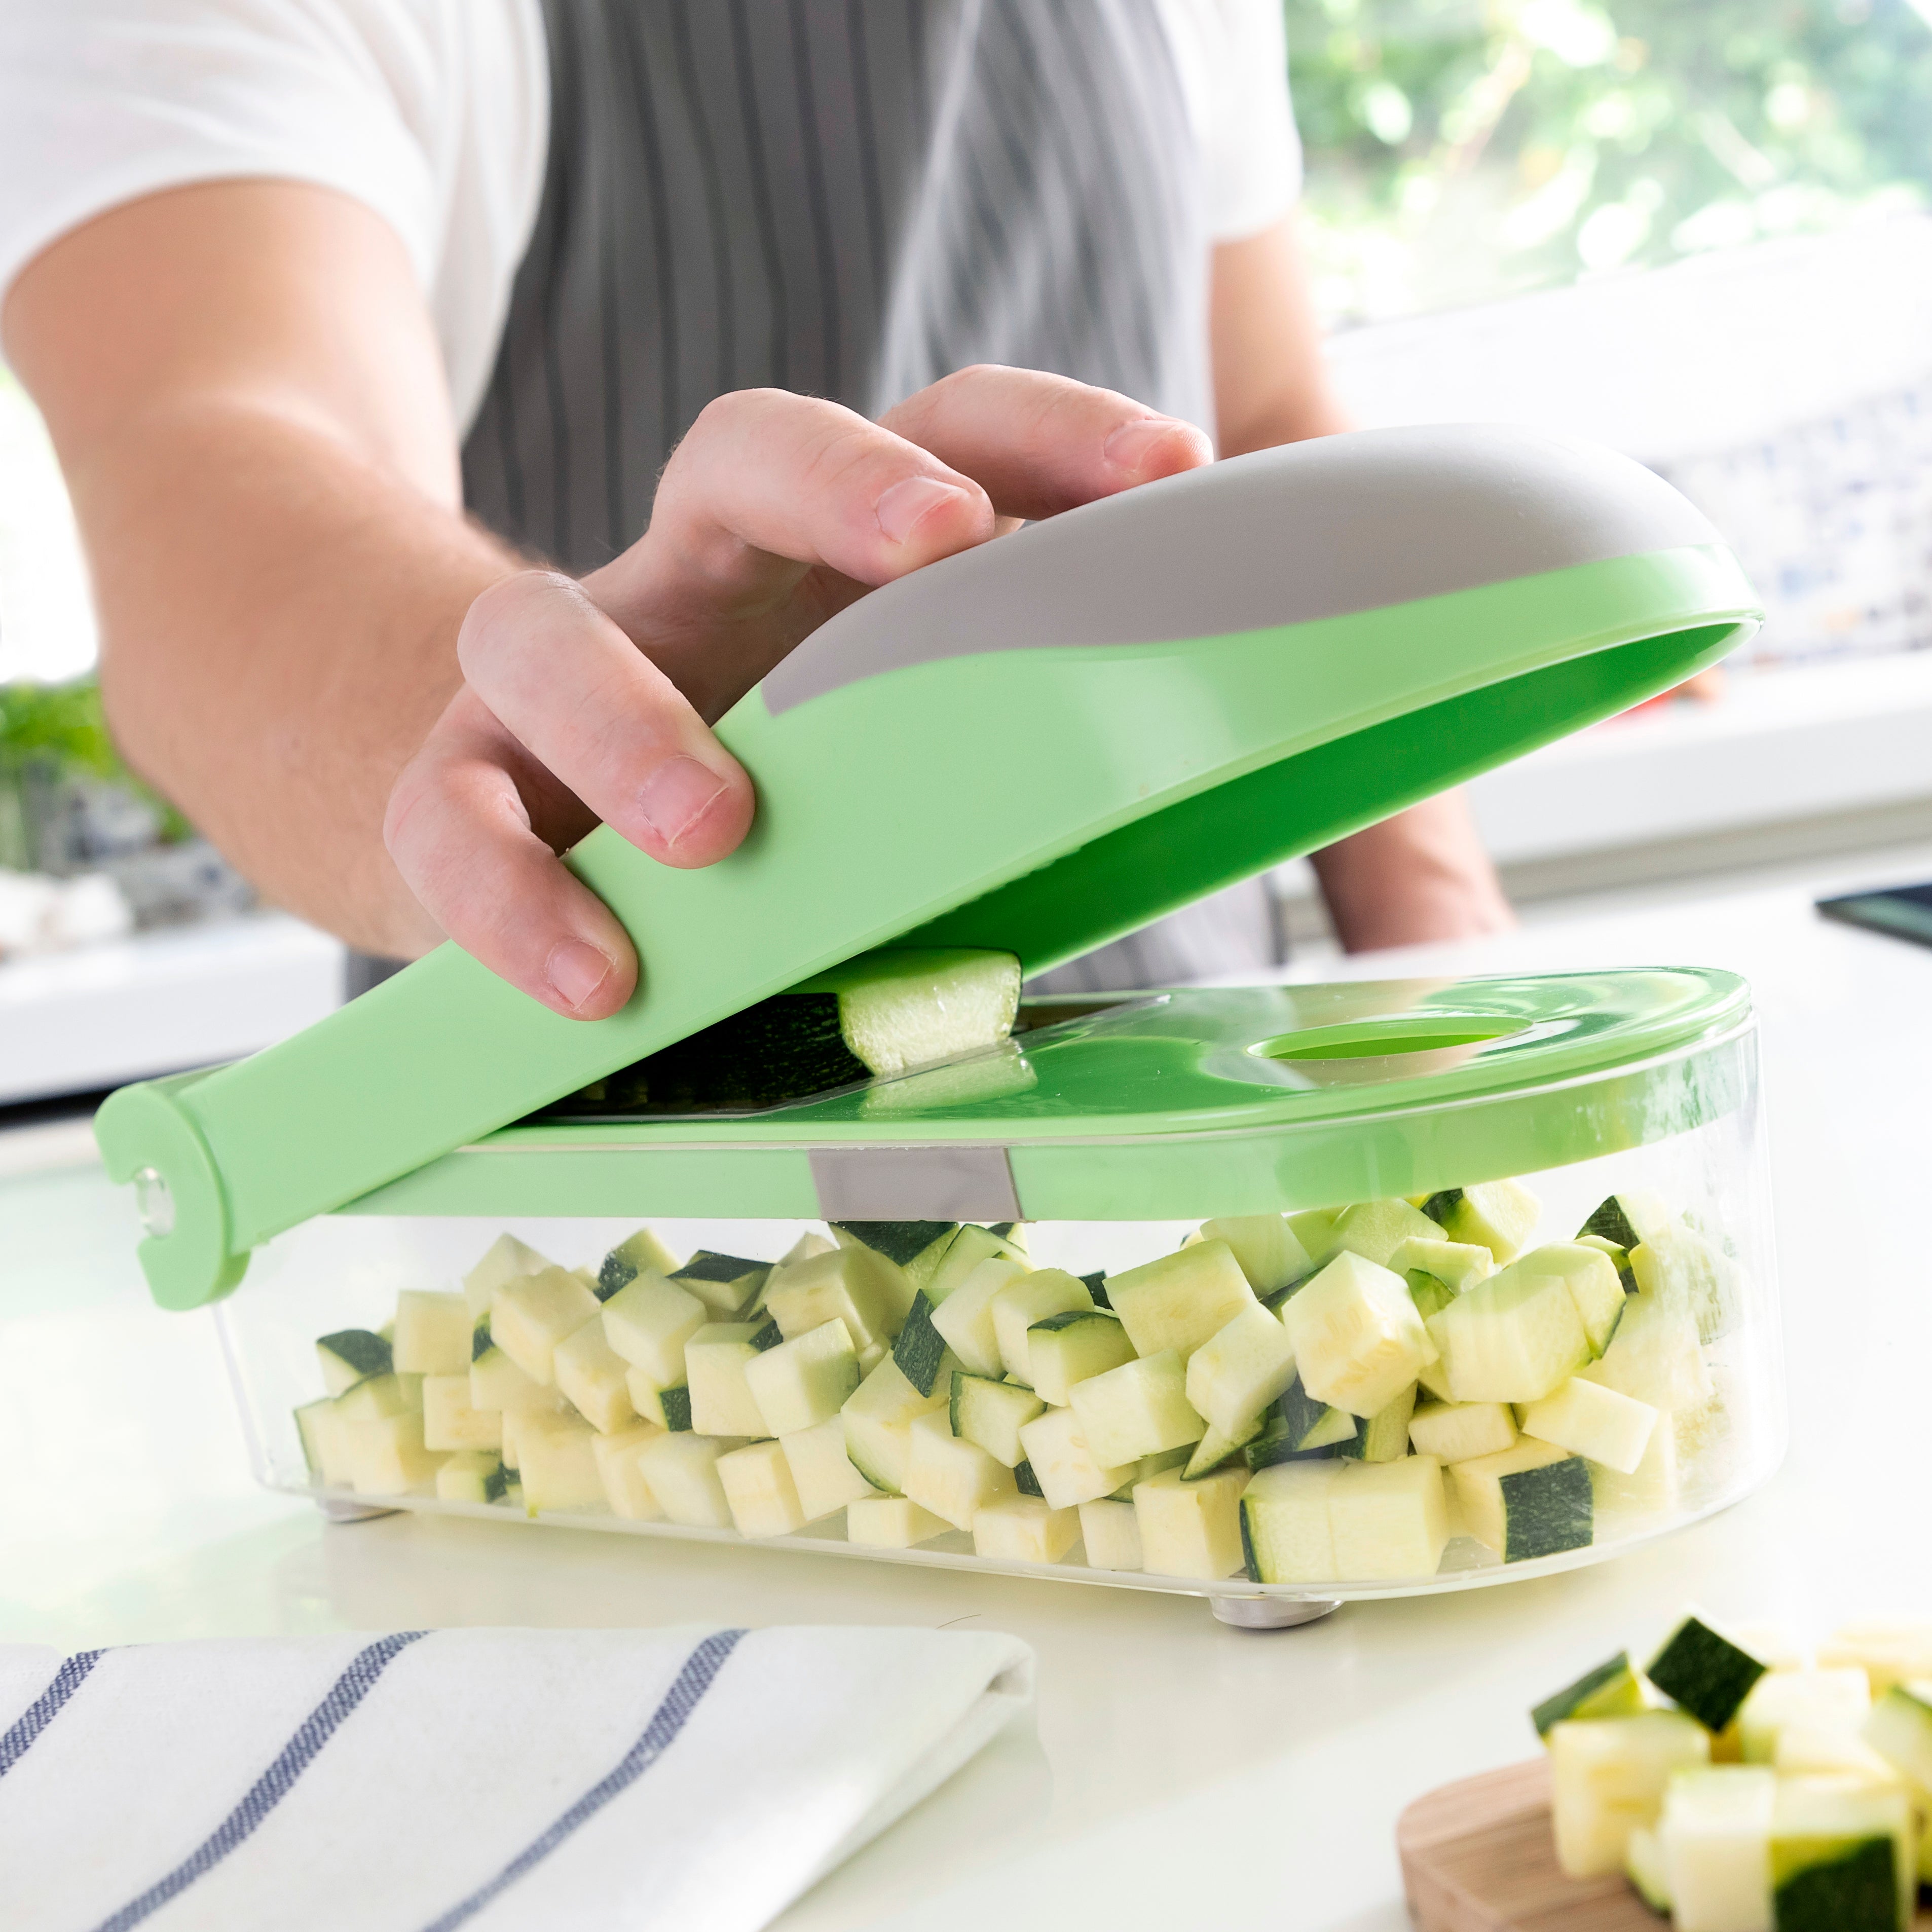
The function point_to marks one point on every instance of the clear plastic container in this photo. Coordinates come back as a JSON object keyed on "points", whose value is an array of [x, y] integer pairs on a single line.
{"points": [[1555, 1423]]}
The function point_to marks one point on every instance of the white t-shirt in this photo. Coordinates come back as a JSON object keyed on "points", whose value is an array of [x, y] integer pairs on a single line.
{"points": [[435, 114]]}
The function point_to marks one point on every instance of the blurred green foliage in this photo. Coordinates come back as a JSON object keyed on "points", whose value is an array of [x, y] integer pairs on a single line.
{"points": [[62, 726], [1460, 149]]}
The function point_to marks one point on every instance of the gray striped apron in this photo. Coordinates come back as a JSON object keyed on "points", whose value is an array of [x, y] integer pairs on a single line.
{"points": [[849, 198]]}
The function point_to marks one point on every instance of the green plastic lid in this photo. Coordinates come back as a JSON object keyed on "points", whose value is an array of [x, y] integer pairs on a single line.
{"points": [[1038, 746], [1175, 1106]]}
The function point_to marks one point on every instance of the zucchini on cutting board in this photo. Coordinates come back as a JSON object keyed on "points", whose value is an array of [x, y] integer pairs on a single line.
{"points": [[1479, 1855]]}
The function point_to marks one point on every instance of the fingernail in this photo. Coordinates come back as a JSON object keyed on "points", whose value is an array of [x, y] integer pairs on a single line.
{"points": [[901, 508], [575, 970], [676, 796], [1130, 445]]}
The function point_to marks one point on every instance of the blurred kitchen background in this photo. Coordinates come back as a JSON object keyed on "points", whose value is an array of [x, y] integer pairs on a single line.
{"points": [[1698, 230]]}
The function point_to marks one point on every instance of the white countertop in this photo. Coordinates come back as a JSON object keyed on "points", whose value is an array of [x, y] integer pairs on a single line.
{"points": [[1185, 1773]]}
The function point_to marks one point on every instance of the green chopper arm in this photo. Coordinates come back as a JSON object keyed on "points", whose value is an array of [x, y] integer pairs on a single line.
{"points": [[1040, 745]]}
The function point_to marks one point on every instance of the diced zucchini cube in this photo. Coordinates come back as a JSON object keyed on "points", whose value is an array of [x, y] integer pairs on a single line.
{"points": [[823, 1474], [556, 1462], [1314, 1228], [920, 1347], [1651, 1490], [951, 1478], [1137, 1409], [1613, 1690], [506, 1260], [681, 1469], [1066, 1468], [1180, 1300], [1716, 1835], [759, 1488], [620, 1462], [1457, 1265], [1266, 1248], [1031, 1298], [1215, 1449], [324, 1446], [472, 1476], [1888, 1650], [805, 1382], [1842, 1855], [531, 1314], [1024, 1529], [1357, 1339], [1681, 1270], [450, 1420], [1376, 1229], [432, 1334], [1067, 1348], [592, 1375], [648, 1322], [1389, 1519], [1899, 1728], [376, 1396], [1111, 1530], [668, 1408], [1707, 1672], [1644, 1867], [1592, 1280], [716, 1359], [992, 1414], [965, 1318], [1592, 1420], [969, 1245], [1459, 1431], [854, 1285], [727, 1284], [1654, 1356], [916, 1246], [640, 1253], [1534, 1500], [386, 1456], [1512, 1338], [1241, 1369], [1829, 1750], [351, 1355], [1383, 1437], [891, 1523], [1839, 1699], [1191, 1529], [1287, 1536], [1498, 1215], [496, 1382], [1608, 1777], [877, 1418]]}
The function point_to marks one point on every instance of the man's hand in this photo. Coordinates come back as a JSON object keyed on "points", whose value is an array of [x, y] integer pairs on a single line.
{"points": [[588, 702], [310, 650]]}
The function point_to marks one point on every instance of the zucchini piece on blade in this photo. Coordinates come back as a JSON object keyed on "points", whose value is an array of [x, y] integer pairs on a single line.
{"points": [[884, 1013]]}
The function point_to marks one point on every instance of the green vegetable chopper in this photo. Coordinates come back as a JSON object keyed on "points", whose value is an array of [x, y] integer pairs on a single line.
{"points": [[1033, 748]]}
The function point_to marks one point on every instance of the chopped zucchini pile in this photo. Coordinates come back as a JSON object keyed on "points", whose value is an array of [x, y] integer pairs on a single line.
{"points": [[1323, 1398], [1741, 1787]]}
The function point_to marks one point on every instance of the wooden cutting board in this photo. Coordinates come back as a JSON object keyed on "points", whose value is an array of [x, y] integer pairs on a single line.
{"points": [[1479, 1857]]}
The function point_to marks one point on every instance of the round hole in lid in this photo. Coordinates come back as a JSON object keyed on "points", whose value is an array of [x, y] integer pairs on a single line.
{"points": [[1394, 1033]]}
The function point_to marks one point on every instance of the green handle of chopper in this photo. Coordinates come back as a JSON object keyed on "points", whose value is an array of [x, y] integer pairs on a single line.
{"points": [[1043, 802]]}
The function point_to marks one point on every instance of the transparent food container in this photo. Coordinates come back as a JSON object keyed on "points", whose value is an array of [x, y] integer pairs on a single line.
{"points": [[1319, 1246]]}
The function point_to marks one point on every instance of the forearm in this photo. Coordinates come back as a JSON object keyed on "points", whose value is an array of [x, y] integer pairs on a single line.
{"points": [[279, 613]]}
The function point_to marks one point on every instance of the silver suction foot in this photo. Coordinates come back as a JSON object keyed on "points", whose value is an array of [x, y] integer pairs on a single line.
{"points": [[337, 1510], [1260, 1613]]}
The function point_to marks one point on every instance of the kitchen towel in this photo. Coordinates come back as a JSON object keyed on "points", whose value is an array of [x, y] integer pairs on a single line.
{"points": [[505, 1780]]}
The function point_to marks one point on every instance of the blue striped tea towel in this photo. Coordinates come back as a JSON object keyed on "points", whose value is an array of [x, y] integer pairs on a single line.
{"points": [[498, 1780]]}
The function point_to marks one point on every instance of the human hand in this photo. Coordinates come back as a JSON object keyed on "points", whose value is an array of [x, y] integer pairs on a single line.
{"points": [[591, 701]]}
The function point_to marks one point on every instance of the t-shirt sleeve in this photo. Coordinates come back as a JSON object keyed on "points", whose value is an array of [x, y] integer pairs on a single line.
{"points": [[103, 101], [1254, 151]]}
